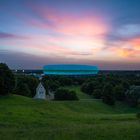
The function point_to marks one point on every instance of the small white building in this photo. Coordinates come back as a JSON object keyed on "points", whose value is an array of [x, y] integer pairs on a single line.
{"points": [[40, 92]]}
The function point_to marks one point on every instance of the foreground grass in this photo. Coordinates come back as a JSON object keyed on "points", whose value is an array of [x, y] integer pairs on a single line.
{"points": [[25, 118]]}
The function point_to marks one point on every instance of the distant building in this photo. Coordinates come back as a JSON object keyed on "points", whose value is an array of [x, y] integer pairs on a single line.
{"points": [[40, 92], [70, 69]]}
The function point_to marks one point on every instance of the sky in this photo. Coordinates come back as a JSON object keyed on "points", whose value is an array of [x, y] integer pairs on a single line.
{"points": [[105, 33]]}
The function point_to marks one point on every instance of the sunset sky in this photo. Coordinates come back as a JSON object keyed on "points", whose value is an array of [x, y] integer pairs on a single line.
{"points": [[105, 33]]}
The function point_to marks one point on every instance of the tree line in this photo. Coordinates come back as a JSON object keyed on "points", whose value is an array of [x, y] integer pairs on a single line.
{"points": [[109, 88], [112, 88]]}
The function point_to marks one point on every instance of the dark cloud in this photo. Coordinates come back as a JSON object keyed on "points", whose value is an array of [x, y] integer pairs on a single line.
{"points": [[4, 35], [111, 38], [123, 34], [18, 60], [7, 35], [22, 60]]}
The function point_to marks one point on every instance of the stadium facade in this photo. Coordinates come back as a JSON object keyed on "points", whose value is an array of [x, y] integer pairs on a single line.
{"points": [[70, 69]]}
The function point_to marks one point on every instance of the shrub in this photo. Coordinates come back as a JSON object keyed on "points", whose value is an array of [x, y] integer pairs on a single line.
{"points": [[97, 93], [65, 94]]}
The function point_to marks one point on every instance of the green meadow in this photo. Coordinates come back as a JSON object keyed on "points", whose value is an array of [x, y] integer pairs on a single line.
{"points": [[23, 118]]}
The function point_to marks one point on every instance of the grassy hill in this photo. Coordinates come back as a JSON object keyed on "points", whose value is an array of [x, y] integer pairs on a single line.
{"points": [[25, 118], [79, 93]]}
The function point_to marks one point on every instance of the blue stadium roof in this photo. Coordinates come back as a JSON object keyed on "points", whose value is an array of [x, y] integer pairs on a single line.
{"points": [[70, 69]]}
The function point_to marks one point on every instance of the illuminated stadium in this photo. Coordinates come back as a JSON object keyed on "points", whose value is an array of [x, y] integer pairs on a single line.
{"points": [[70, 69]]}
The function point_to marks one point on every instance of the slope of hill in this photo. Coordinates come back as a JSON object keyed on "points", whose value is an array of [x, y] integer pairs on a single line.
{"points": [[25, 118]]}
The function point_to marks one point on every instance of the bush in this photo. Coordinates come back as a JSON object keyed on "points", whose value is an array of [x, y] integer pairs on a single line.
{"points": [[7, 80], [65, 94], [97, 93]]}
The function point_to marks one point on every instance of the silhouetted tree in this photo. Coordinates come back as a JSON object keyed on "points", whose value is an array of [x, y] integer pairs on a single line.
{"points": [[88, 87], [108, 96], [133, 96], [119, 92], [22, 89], [7, 80], [30, 81]]}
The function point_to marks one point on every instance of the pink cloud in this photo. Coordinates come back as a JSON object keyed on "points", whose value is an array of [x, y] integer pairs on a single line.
{"points": [[82, 35], [77, 35], [136, 43], [125, 52], [58, 50], [68, 23]]}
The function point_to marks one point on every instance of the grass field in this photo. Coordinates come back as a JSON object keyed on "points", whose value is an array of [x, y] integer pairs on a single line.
{"points": [[22, 118]]}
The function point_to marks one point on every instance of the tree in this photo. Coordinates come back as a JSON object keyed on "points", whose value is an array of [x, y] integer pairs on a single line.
{"points": [[119, 92], [65, 94], [51, 85], [108, 96], [125, 85], [133, 96], [88, 87], [65, 81], [30, 81], [7, 80], [22, 89]]}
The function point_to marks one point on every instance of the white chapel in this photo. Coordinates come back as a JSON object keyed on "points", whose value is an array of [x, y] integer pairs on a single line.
{"points": [[40, 92]]}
